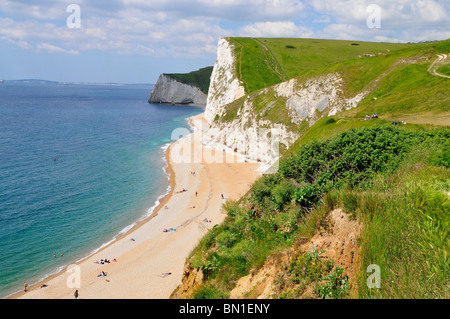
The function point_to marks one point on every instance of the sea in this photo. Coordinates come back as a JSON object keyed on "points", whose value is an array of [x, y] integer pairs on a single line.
{"points": [[80, 164]]}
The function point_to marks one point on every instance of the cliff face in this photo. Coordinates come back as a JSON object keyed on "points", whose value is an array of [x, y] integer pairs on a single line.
{"points": [[170, 91], [247, 131], [224, 87]]}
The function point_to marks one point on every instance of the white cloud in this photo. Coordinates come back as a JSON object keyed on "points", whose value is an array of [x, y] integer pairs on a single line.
{"points": [[233, 10], [275, 29], [42, 9], [54, 49], [184, 37], [401, 21], [394, 14], [191, 28], [323, 19], [345, 32]]}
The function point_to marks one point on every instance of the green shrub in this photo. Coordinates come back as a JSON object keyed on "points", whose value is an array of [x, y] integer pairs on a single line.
{"points": [[330, 121], [307, 195], [373, 174], [208, 292], [307, 267], [211, 265], [282, 194], [336, 285]]}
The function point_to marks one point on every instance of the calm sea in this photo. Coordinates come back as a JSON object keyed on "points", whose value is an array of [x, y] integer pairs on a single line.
{"points": [[79, 165]]}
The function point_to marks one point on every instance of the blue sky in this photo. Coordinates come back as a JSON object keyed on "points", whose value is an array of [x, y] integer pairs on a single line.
{"points": [[133, 41]]}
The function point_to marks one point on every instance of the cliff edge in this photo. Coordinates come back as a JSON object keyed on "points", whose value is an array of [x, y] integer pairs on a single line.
{"points": [[188, 89]]}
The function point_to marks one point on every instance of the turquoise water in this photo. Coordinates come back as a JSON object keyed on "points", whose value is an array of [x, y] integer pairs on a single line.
{"points": [[79, 164]]}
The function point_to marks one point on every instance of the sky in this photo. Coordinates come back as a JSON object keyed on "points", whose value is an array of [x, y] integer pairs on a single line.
{"points": [[134, 41]]}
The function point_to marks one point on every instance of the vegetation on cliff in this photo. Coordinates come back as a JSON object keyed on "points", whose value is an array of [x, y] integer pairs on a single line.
{"points": [[394, 77], [262, 62], [199, 78], [394, 180], [391, 177]]}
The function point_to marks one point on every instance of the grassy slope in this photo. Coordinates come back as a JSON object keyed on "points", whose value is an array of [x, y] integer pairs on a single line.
{"points": [[444, 69], [394, 179], [265, 62], [407, 91], [403, 203], [200, 78]]}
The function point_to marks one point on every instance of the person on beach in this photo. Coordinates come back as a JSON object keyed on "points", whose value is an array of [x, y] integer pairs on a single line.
{"points": [[25, 286], [75, 294]]}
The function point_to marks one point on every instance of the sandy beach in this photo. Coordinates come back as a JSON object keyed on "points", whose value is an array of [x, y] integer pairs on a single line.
{"points": [[147, 252]]}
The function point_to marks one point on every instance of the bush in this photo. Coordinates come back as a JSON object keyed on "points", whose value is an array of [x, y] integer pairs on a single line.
{"points": [[367, 173], [206, 292], [336, 285], [307, 195], [330, 121], [307, 267], [282, 193]]}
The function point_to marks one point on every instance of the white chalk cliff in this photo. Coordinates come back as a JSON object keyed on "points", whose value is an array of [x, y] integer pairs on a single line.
{"points": [[307, 100], [224, 86], [168, 90]]}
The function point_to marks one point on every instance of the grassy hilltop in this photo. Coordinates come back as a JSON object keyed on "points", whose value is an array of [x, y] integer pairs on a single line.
{"points": [[396, 75], [199, 78], [392, 180], [277, 60]]}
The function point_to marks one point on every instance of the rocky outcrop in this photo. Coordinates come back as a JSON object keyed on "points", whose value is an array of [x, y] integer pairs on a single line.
{"points": [[191, 282], [323, 94], [168, 90]]}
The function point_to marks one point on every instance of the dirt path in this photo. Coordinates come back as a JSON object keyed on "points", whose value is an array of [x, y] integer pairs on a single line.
{"points": [[432, 69], [274, 65]]}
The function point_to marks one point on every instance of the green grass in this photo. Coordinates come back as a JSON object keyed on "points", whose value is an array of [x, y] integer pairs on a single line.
{"points": [[262, 62], [406, 217], [398, 88], [393, 179], [332, 126], [200, 78], [444, 69], [255, 65], [409, 92], [311, 54]]}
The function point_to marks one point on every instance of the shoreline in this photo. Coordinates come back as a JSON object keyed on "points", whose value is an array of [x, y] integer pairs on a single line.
{"points": [[139, 223], [191, 235]]}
